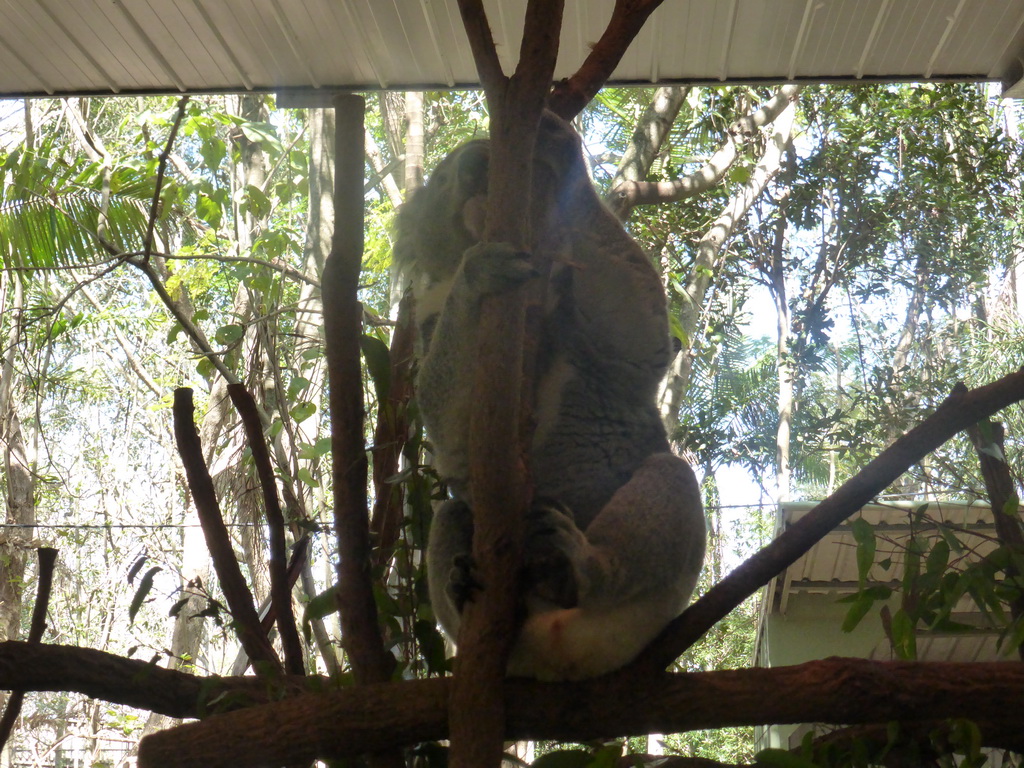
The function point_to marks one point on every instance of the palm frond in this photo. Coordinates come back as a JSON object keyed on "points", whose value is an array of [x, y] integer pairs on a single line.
{"points": [[51, 212]]}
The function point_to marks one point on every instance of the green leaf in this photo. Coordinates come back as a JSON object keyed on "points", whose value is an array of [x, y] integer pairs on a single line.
{"points": [[136, 567], [213, 150], [297, 386], [227, 335], [432, 646], [145, 587], [307, 477], [864, 535], [861, 605], [262, 133], [904, 637], [209, 210], [321, 606], [938, 559], [378, 363], [302, 411], [256, 203], [176, 608]]}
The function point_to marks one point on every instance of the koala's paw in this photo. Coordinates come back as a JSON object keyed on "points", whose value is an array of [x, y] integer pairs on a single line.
{"points": [[554, 548], [462, 582], [495, 267]]}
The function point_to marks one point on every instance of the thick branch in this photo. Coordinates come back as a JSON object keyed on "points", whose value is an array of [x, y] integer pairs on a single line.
{"points": [[842, 691], [346, 722], [133, 683], [629, 193], [570, 96], [343, 329], [236, 590], [956, 413], [652, 129], [497, 473], [47, 560]]}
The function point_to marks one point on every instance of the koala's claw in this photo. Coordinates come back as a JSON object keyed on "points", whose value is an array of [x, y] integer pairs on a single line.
{"points": [[552, 550], [462, 583], [496, 267]]}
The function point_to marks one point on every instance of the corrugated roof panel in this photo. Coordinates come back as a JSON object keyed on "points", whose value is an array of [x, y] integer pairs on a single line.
{"points": [[913, 32], [21, 37], [108, 35], [836, 41], [118, 46]]}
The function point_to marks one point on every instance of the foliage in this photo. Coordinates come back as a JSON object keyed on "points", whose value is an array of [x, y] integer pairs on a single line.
{"points": [[900, 209]]}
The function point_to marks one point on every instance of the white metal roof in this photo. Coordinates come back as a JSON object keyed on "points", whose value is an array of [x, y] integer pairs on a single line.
{"points": [[52, 47], [829, 569]]}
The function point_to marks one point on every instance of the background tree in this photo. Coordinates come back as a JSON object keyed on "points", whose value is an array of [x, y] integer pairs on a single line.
{"points": [[886, 224]]}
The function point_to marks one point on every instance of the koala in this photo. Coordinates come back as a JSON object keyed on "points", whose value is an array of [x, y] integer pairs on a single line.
{"points": [[615, 537]]}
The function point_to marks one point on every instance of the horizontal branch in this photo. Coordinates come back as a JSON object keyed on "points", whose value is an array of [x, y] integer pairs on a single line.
{"points": [[840, 691], [135, 683], [960, 410], [631, 193], [339, 723]]}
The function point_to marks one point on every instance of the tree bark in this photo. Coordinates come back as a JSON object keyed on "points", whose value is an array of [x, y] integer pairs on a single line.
{"points": [[342, 327], [497, 472], [344, 723], [651, 131]]}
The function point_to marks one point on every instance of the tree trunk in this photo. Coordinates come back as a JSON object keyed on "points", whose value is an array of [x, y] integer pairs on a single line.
{"points": [[710, 250], [19, 465], [651, 131], [785, 362]]}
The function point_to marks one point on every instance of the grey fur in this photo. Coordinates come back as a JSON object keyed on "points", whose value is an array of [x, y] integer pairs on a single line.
{"points": [[618, 556]]}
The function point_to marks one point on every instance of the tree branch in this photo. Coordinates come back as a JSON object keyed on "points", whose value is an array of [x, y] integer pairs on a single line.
{"points": [[154, 210], [631, 193], [236, 591], [344, 723], [342, 329], [134, 683], [47, 561], [956, 413], [497, 472], [570, 96], [280, 586]]}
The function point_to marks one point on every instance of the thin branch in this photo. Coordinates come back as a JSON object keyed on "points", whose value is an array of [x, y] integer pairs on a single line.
{"points": [[280, 587], [193, 331], [956, 413], [236, 591], [47, 561], [154, 210]]}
